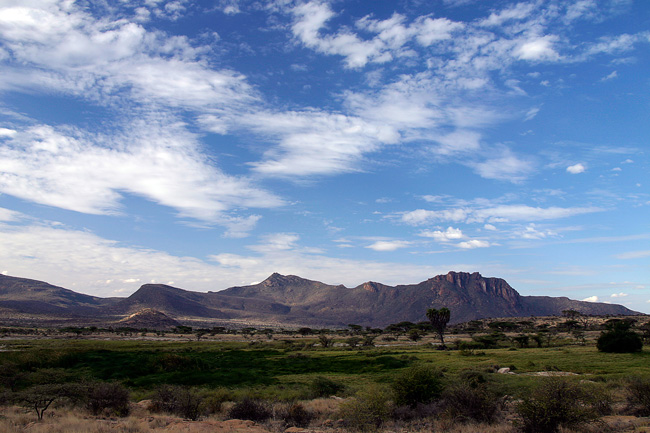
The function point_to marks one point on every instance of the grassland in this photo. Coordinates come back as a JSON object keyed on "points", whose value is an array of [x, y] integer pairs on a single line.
{"points": [[284, 370]]}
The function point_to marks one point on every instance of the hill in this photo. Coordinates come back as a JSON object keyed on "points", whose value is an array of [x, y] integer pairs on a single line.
{"points": [[289, 300]]}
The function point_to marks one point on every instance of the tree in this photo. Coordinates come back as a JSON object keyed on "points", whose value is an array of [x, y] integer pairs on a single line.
{"points": [[40, 397], [439, 319], [619, 338], [414, 335]]}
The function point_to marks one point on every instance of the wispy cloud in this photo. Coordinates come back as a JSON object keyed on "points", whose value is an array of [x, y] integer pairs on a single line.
{"points": [[504, 213], [84, 172], [388, 245]]}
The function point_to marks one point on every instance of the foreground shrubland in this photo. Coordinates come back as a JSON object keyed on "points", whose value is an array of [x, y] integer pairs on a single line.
{"points": [[96, 386]]}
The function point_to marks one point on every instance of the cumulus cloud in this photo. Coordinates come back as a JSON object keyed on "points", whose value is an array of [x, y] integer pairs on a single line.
{"points": [[618, 295], [576, 168], [591, 299]]}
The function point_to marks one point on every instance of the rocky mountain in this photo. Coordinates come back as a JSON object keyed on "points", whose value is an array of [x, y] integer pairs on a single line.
{"points": [[291, 300]]}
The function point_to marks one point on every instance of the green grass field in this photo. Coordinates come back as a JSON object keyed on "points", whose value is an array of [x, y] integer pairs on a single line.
{"points": [[273, 368]]}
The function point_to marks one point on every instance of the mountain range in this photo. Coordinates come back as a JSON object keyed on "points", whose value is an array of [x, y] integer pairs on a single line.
{"points": [[289, 300]]}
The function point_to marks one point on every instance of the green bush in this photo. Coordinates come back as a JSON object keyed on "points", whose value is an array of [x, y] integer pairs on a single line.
{"points": [[553, 404], [367, 410], [463, 402], [619, 338], [110, 398], [324, 387], [419, 384]]}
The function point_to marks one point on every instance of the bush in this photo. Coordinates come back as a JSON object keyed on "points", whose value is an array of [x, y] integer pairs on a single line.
{"points": [[324, 387], [297, 416], [250, 409], [619, 338], [182, 401], [367, 410], [472, 378], [638, 396], [553, 404], [419, 384], [467, 403], [110, 398]]}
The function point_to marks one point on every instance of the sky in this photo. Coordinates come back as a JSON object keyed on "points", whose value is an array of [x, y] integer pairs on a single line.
{"points": [[207, 145]]}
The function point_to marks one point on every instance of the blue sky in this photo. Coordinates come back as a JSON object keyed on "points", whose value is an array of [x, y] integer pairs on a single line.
{"points": [[208, 145]]}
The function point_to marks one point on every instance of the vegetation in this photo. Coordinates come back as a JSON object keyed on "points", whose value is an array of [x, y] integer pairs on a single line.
{"points": [[619, 338], [282, 380], [419, 384], [439, 319], [556, 403]]}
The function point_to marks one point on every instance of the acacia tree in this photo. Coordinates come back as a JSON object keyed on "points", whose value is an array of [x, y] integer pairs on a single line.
{"points": [[439, 319]]}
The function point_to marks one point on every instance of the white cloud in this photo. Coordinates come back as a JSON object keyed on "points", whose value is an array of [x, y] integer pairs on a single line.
{"points": [[388, 245], [501, 213], [472, 244], [507, 166], [8, 215], [633, 255], [530, 115], [82, 261], [576, 168], [5, 132], [532, 232], [422, 216], [611, 76], [74, 170], [489, 227], [591, 299], [391, 35], [60, 46], [443, 236], [516, 12], [538, 49], [619, 295], [277, 242]]}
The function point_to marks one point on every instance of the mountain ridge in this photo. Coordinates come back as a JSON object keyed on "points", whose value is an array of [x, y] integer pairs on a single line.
{"points": [[295, 301]]}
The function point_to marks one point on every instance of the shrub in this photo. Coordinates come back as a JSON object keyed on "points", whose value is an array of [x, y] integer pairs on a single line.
{"points": [[324, 387], [417, 384], [466, 403], [472, 378], [178, 400], [250, 409], [553, 404], [638, 396], [297, 416], [619, 338], [110, 398], [325, 341], [367, 410]]}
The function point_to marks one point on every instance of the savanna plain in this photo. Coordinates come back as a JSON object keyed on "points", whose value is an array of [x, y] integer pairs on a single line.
{"points": [[494, 376]]}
